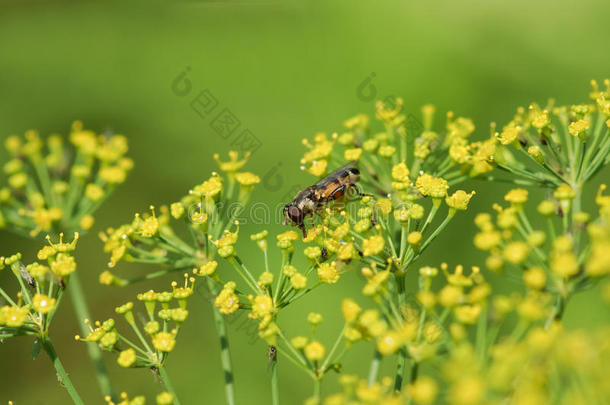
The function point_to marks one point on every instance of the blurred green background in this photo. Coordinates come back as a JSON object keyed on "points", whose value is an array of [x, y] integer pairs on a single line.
{"points": [[286, 69]]}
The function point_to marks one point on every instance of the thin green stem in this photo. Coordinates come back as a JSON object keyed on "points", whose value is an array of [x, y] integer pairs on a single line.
{"points": [[225, 354], [168, 384], [400, 369], [61, 372], [275, 388], [374, 369], [81, 309]]}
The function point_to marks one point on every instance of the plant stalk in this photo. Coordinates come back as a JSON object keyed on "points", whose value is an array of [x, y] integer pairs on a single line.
{"points": [[81, 309], [61, 372]]}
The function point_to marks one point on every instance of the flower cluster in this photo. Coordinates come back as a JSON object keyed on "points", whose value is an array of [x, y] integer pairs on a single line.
{"points": [[207, 212], [554, 145], [53, 187], [402, 140], [41, 288], [563, 257], [161, 326], [546, 364]]}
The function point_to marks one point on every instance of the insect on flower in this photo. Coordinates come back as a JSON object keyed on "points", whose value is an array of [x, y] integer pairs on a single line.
{"points": [[314, 197]]}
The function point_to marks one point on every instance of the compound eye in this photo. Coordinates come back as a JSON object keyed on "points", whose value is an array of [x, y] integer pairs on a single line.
{"points": [[295, 214]]}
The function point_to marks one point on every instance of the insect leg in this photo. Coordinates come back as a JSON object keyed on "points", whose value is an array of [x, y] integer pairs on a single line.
{"points": [[360, 193]]}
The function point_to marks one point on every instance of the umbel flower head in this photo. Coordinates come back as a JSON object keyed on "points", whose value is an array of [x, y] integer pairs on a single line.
{"points": [[208, 212], [41, 286], [51, 185], [392, 157], [554, 145], [161, 328]]}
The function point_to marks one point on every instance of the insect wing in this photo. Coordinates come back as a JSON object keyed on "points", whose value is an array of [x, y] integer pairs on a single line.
{"points": [[338, 173]]}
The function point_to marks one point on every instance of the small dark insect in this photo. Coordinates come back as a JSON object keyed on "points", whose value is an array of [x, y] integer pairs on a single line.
{"points": [[314, 197], [272, 354]]}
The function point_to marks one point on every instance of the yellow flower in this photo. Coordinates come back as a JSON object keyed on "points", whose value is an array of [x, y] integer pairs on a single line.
{"points": [[564, 264], [262, 306], [564, 192], [384, 205], [540, 119], [449, 295], [94, 192], [352, 154], [516, 196], [579, 128], [298, 281], [299, 342], [387, 151], [532, 307], [459, 200], [314, 318], [509, 135], [127, 358], [164, 341], [328, 273], [535, 278], [516, 252], [434, 187], [285, 240], [265, 279], [535, 152], [350, 310], [389, 343], [12, 316], [426, 298], [315, 351], [247, 179], [210, 188], [233, 164], [208, 269], [423, 390], [165, 398], [373, 245], [414, 238], [468, 390], [227, 301], [112, 174], [546, 208], [176, 210], [87, 222], [63, 265], [598, 263], [487, 240], [400, 172], [467, 313], [43, 304]]}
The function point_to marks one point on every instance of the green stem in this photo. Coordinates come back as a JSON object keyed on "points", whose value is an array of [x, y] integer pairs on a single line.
{"points": [[82, 312], [316, 389], [275, 389], [168, 384], [374, 369], [61, 372], [400, 369], [225, 354]]}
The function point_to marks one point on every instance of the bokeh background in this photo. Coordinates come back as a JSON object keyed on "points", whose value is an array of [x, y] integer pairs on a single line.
{"points": [[286, 69]]}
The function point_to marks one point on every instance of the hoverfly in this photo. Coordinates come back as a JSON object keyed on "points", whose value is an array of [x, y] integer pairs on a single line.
{"points": [[313, 198]]}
